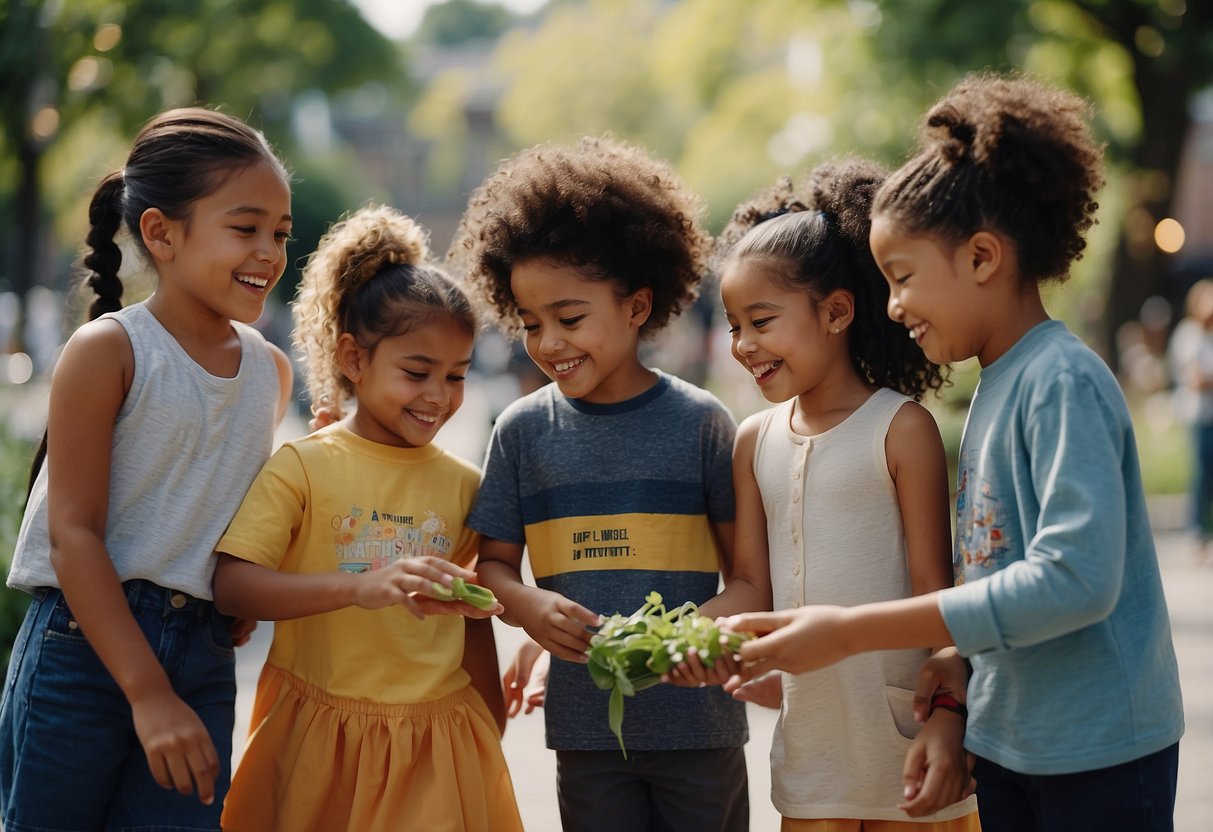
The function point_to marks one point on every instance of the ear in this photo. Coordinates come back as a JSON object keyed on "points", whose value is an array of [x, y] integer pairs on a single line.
{"points": [[640, 305], [351, 358], [158, 235], [837, 310], [986, 254]]}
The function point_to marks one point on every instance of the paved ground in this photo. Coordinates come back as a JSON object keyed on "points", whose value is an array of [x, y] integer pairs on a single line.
{"points": [[1189, 588]]}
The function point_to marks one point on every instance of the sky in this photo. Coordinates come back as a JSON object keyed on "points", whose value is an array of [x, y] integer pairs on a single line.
{"points": [[400, 18]]}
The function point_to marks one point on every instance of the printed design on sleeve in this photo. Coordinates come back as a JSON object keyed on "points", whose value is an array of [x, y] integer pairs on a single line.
{"points": [[981, 529], [362, 542]]}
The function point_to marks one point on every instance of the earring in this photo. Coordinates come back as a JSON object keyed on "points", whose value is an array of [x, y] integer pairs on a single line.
{"points": [[834, 331]]}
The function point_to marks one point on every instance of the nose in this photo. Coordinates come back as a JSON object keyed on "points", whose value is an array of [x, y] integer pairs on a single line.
{"points": [[550, 343], [745, 344], [437, 393], [895, 311], [268, 250]]}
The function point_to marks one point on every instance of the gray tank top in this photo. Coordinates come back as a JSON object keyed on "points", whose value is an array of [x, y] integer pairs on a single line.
{"points": [[186, 447]]}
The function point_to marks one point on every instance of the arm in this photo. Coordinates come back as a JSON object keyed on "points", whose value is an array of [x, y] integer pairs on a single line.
{"points": [[480, 661], [89, 384], [286, 377], [556, 623], [249, 590], [749, 586]]}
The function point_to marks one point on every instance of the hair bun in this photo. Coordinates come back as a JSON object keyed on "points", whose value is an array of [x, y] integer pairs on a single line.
{"points": [[373, 238], [844, 192], [951, 133]]}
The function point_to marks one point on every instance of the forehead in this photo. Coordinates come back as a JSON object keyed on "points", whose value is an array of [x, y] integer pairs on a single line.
{"points": [[439, 338], [536, 283], [890, 243], [259, 187]]}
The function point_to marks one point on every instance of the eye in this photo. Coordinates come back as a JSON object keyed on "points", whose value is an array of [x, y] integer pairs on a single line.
{"points": [[901, 280], [530, 327], [761, 322], [284, 236], [571, 321], [415, 376], [456, 379], [244, 229], [734, 329]]}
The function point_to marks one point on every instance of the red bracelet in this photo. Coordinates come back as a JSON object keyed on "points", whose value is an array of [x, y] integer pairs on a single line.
{"points": [[948, 703]]}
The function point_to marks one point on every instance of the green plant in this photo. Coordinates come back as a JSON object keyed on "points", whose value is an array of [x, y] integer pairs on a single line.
{"points": [[15, 454]]}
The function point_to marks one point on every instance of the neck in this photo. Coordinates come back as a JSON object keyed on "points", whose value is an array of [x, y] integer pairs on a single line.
{"points": [[1012, 322]]}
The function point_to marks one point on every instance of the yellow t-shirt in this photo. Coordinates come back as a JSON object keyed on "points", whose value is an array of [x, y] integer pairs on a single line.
{"points": [[334, 500]]}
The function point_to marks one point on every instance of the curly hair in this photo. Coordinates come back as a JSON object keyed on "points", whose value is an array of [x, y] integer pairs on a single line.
{"points": [[1009, 154], [817, 242], [369, 276], [604, 207]]}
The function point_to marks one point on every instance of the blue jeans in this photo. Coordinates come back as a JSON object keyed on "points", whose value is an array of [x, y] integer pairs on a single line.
{"points": [[1137, 796], [69, 756]]}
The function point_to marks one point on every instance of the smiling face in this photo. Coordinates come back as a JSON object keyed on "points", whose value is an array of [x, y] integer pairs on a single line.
{"points": [[929, 291], [408, 386], [226, 256], [786, 341], [580, 332]]}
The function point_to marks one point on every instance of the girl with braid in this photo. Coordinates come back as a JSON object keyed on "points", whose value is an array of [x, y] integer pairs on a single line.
{"points": [[119, 703], [1074, 710], [379, 706]]}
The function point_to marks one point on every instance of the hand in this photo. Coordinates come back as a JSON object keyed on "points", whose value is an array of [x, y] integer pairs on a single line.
{"points": [[324, 413], [693, 673], [525, 680], [397, 582], [242, 630], [944, 672], [559, 625], [796, 640], [937, 771], [436, 606], [180, 753], [766, 690]]}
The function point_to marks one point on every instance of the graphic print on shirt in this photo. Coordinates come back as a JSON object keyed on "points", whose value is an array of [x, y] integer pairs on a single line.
{"points": [[980, 525], [363, 542]]}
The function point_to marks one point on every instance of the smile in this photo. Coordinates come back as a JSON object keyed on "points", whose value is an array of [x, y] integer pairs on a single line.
{"points": [[253, 280], [917, 331], [565, 366], [765, 369], [428, 418]]}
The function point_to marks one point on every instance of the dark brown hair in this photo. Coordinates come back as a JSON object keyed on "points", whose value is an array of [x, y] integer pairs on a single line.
{"points": [[817, 242], [1008, 154], [604, 207]]}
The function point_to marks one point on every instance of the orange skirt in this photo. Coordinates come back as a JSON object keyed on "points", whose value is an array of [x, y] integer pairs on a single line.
{"points": [[320, 762]]}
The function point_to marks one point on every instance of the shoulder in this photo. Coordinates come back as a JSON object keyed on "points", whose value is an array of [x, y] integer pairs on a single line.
{"points": [[689, 399], [537, 405], [101, 346], [460, 468], [913, 422]]}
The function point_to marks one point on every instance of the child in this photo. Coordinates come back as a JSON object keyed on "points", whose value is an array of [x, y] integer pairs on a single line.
{"points": [[844, 484], [1075, 712], [616, 478], [369, 715], [121, 691]]}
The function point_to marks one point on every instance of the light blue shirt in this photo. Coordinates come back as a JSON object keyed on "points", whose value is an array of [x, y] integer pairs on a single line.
{"points": [[1061, 610]]}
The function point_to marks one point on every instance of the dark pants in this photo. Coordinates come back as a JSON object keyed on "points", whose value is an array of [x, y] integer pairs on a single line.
{"points": [[1137, 796], [653, 791], [1202, 482]]}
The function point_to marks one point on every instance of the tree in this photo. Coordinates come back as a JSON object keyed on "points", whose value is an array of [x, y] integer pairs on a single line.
{"points": [[457, 21], [113, 65]]}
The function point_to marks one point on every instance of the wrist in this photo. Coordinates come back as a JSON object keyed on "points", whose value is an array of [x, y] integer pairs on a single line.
{"points": [[947, 702]]}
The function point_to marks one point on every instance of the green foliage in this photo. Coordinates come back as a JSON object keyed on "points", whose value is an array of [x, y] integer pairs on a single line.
{"points": [[15, 455], [457, 21]]}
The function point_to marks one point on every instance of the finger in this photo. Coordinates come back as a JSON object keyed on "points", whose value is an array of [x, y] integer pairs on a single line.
{"points": [[513, 700], [575, 612], [756, 622], [158, 766], [412, 606], [204, 765], [572, 632], [180, 774], [928, 683]]}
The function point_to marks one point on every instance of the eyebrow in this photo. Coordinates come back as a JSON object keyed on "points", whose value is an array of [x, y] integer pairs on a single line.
{"points": [[253, 209], [425, 359], [559, 304]]}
